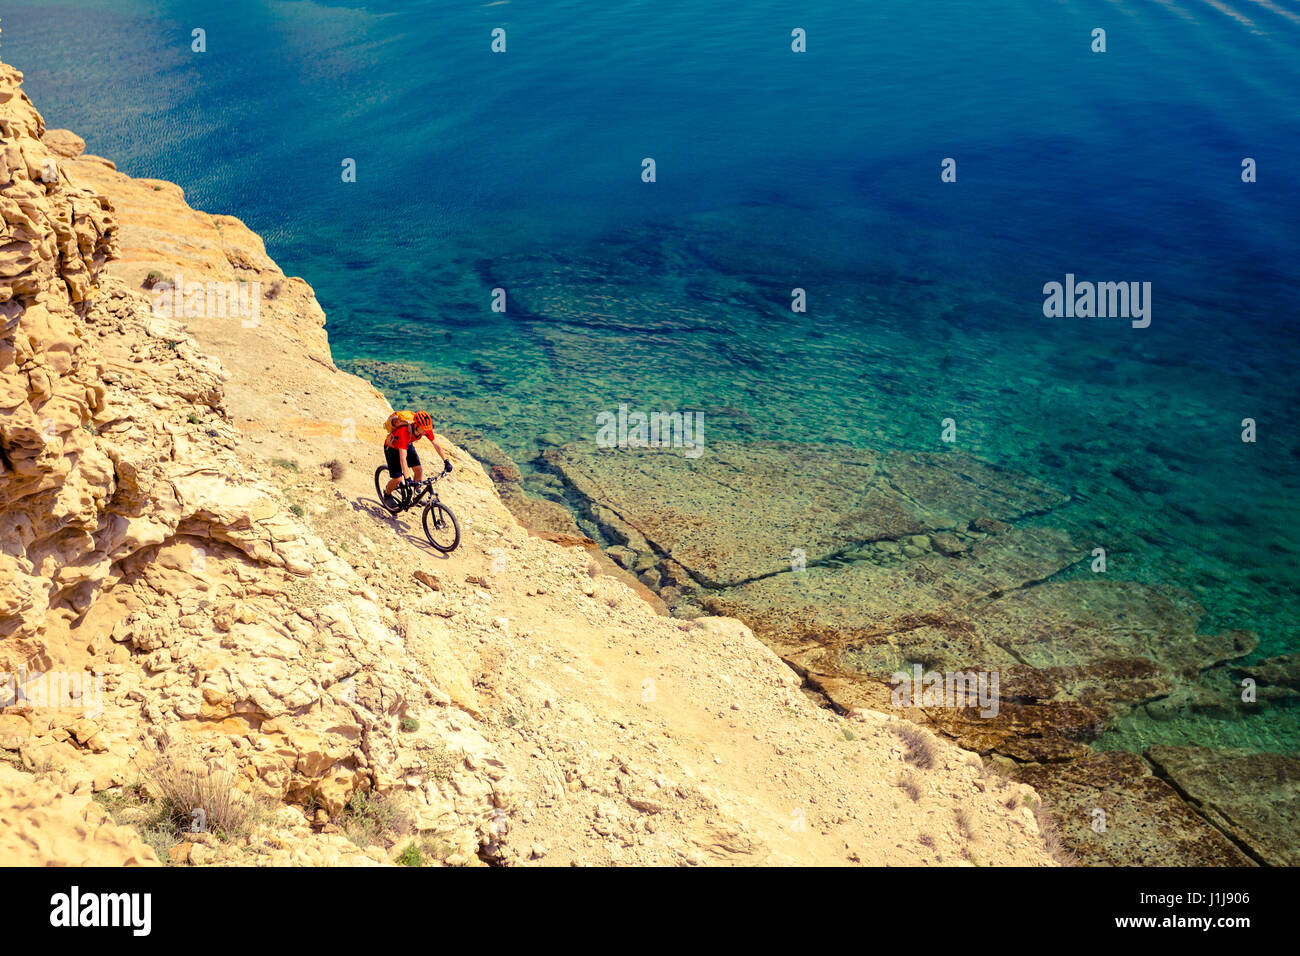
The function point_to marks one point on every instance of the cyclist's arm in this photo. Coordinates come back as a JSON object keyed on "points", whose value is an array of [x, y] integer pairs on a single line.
{"points": [[438, 448]]}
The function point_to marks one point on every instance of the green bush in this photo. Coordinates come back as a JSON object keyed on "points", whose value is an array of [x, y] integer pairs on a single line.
{"points": [[411, 856], [368, 816]]}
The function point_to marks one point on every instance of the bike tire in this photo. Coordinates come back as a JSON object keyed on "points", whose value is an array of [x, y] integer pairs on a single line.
{"points": [[381, 479], [440, 527]]}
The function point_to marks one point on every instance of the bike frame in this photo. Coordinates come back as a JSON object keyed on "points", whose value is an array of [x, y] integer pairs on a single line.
{"points": [[412, 499]]}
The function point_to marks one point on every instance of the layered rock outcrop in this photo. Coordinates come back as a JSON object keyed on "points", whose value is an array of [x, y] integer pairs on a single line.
{"points": [[155, 589], [55, 477]]}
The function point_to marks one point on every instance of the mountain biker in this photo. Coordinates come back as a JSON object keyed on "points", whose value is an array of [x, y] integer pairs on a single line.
{"points": [[404, 430]]}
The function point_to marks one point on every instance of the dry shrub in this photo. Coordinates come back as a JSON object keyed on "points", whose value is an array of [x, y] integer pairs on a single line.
{"points": [[911, 787], [964, 822], [1052, 836], [184, 784], [335, 468], [921, 750], [368, 817]]}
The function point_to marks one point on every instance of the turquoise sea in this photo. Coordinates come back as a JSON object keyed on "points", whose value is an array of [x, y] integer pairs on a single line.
{"points": [[778, 170]]}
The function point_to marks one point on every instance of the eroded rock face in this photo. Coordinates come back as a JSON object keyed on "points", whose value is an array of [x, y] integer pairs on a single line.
{"points": [[43, 823], [140, 549], [55, 478]]}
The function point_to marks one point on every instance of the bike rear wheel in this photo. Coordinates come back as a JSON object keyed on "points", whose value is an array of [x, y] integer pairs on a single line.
{"points": [[440, 527], [381, 480]]}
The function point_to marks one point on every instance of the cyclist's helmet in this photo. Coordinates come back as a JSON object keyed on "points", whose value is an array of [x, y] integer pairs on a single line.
{"points": [[423, 422]]}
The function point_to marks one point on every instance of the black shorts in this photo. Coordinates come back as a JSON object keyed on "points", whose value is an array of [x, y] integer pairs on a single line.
{"points": [[395, 463]]}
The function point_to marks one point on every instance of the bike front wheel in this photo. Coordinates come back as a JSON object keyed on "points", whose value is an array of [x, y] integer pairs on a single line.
{"points": [[440, 527]]}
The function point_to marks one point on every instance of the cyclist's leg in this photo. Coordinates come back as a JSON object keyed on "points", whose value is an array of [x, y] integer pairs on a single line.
{"points": [[413, 459], [394, 469]]}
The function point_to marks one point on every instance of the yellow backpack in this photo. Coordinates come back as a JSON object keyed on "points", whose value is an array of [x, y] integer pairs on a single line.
{"points": [[398, 420]]}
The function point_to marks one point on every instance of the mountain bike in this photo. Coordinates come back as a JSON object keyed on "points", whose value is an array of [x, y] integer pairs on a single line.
{"points": [[439, 523]]}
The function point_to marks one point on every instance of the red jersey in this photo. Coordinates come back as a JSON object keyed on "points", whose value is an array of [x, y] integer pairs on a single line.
{"points": [[406, 436]]}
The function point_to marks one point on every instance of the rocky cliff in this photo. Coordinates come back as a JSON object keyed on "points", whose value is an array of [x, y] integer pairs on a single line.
{"points": [[218, 649]]}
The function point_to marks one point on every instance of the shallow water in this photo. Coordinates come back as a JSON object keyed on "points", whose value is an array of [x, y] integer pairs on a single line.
{"points": [[775, 171]]}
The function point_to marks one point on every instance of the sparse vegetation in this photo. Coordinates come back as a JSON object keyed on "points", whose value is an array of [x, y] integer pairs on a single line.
{"points": [[284, 464], [368, 816], [437, 762], [296, 511], [335, 468], [964, 822], [128, 797], [193, 419], [160, 804], [1056, 849], [921, 751], [911, 787], [426, 851], [439, 849], [191, 794], [411, 856], [409, 724], [926, 840], [132, 806], [153, 278]]}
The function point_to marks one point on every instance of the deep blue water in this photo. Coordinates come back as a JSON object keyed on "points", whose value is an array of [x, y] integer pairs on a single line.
{"points": [[778, 170]]}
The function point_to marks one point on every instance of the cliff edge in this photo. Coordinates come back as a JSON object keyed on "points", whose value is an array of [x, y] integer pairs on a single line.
{"points": [[218, 649]]}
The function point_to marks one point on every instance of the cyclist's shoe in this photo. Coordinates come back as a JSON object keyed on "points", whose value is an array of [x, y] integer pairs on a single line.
{"points": [[446, 465], [391, 503]]}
